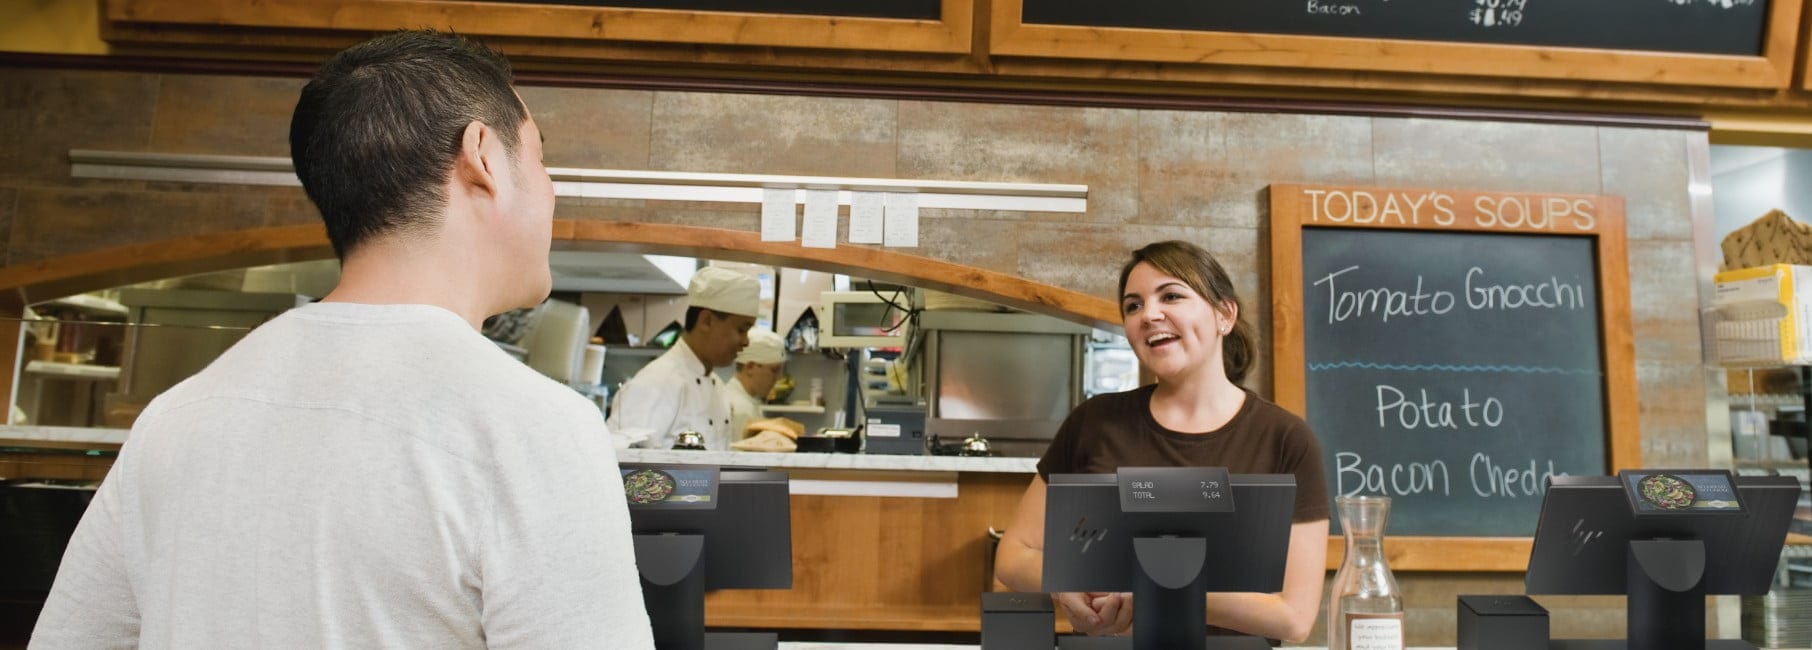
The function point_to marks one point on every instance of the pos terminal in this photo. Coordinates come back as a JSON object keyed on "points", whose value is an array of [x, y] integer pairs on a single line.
{"points": [[698, 528], [1664, 538], [1169, 535]]}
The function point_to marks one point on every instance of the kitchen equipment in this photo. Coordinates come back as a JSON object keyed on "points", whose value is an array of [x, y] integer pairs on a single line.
{"points": [[689, 440], [1010, 377], [842, 441], [895, 429], [976, 445]]}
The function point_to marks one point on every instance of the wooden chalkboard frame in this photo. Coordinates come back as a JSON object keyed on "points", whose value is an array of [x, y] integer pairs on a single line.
{"points": [[1805, 62], [579, 25], [1009, 35], [1291, 212]]}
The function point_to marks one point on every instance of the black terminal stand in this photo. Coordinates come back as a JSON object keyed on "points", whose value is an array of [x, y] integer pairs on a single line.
{"points": [[1170, 602], [1170, 605], [673, 586], [1666, 594], [1666, 587]]}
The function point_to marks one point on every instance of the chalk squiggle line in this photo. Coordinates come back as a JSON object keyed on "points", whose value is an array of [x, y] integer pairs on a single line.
{"points": [[1441, 367]]}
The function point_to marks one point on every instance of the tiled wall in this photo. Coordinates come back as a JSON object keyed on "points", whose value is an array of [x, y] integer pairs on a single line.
{"points": [[1151, 175]]}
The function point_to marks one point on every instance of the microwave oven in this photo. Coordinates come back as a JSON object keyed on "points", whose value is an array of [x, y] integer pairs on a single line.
{"points": [[863, 319]]}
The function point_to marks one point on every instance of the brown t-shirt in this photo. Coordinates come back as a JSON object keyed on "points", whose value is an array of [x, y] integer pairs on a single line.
{"points": [[1117, 430]]}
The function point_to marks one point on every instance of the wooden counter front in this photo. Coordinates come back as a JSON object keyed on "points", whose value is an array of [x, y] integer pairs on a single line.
{"points": [[884, 563]]}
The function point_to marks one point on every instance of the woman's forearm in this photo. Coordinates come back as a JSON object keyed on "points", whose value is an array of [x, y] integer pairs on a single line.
{"points": [[1266, 615], [1018, 567]]}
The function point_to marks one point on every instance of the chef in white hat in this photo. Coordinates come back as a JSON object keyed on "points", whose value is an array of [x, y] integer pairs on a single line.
{"points": [[677, 392], [758, 366]]}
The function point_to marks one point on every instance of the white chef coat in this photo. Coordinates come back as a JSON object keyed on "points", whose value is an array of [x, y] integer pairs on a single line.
{"points": [[674, 393], [744, 408]]}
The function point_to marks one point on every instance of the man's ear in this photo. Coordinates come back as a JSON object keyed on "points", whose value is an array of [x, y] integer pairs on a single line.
{"points": [[472, 167]]}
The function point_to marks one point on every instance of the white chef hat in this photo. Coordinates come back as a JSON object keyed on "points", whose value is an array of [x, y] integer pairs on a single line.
{"points": [[726, 291], [764, 347]]}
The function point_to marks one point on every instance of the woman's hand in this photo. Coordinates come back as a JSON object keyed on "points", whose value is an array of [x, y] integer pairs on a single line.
{"points": [[1095, 613]]}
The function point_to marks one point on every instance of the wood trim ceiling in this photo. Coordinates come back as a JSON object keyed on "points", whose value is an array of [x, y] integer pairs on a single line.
{"points": [[42, 280]]}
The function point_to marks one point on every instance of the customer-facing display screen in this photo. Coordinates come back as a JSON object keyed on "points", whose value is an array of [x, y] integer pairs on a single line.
{"points": [[670, 487], [1661, 492]]}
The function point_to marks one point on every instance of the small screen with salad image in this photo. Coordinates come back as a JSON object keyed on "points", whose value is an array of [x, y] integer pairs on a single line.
{"points": [[1680, 491], [670, 487]]}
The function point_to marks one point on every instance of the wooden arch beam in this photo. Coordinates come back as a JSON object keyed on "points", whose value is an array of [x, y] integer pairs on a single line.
{"points": [[42, 280]]}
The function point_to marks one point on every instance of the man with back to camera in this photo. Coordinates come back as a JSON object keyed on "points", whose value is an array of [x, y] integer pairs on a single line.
{"points": [[369, 470], [677, 392]]}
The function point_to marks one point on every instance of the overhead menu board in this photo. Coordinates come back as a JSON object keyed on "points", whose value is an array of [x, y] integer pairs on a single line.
{"points": [[1450, 348], [1733, 27], [904, 9]]}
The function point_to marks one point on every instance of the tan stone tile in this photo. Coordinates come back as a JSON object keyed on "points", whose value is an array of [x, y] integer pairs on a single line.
{"points": [[1200, 168], [1649, 169], [9, 202], [1479, 155], [766, 134], [981, 243], [44, 113], [1088, 257], [292, 211], [51, 223], [1664, 301], [238, 116], [1027, 144], [592, 128], [1672, 414]]}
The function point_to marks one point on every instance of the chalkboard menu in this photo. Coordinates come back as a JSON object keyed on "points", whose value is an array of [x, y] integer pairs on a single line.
{"points": [[1453, 372], [1449, 348], [1688, 26], [903, 9]]}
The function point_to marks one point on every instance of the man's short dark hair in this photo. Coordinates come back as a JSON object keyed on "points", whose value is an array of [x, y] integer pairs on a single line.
{"points": [[692, 314], [376, 131]]}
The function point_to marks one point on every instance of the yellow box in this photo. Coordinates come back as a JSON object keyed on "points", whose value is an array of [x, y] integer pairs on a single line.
{"points": [[1765, 315]]}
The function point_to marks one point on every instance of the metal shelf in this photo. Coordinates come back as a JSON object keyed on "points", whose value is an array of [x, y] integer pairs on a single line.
{"points": [[791, 408], [72, 370]]}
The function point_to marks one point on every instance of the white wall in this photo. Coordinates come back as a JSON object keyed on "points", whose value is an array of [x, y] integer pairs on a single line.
{"points": [[1747, 182]]}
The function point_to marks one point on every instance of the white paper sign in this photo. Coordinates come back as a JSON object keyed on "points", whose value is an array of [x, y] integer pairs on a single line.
{"points": [[865, 217], [1375, 634], [879, 430], [820, 229], [902, 220], [777, 209]]}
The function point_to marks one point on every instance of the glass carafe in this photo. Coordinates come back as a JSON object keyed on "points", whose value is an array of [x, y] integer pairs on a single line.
{"points": [[1365, 610]]}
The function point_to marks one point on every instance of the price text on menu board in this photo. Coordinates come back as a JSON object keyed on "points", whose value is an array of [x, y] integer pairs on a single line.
{"points": [[1687, 26], [1453, 355]]}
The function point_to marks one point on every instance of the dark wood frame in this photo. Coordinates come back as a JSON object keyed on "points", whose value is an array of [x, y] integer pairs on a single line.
{"points": [[1289, 214], [166, 19], [1009, 35]]}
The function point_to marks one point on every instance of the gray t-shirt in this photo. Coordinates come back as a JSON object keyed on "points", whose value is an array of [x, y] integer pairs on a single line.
{"points": [[356, 476]]}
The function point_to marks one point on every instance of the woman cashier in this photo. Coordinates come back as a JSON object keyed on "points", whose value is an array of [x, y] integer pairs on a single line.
{"points": [[1183, 320]]}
